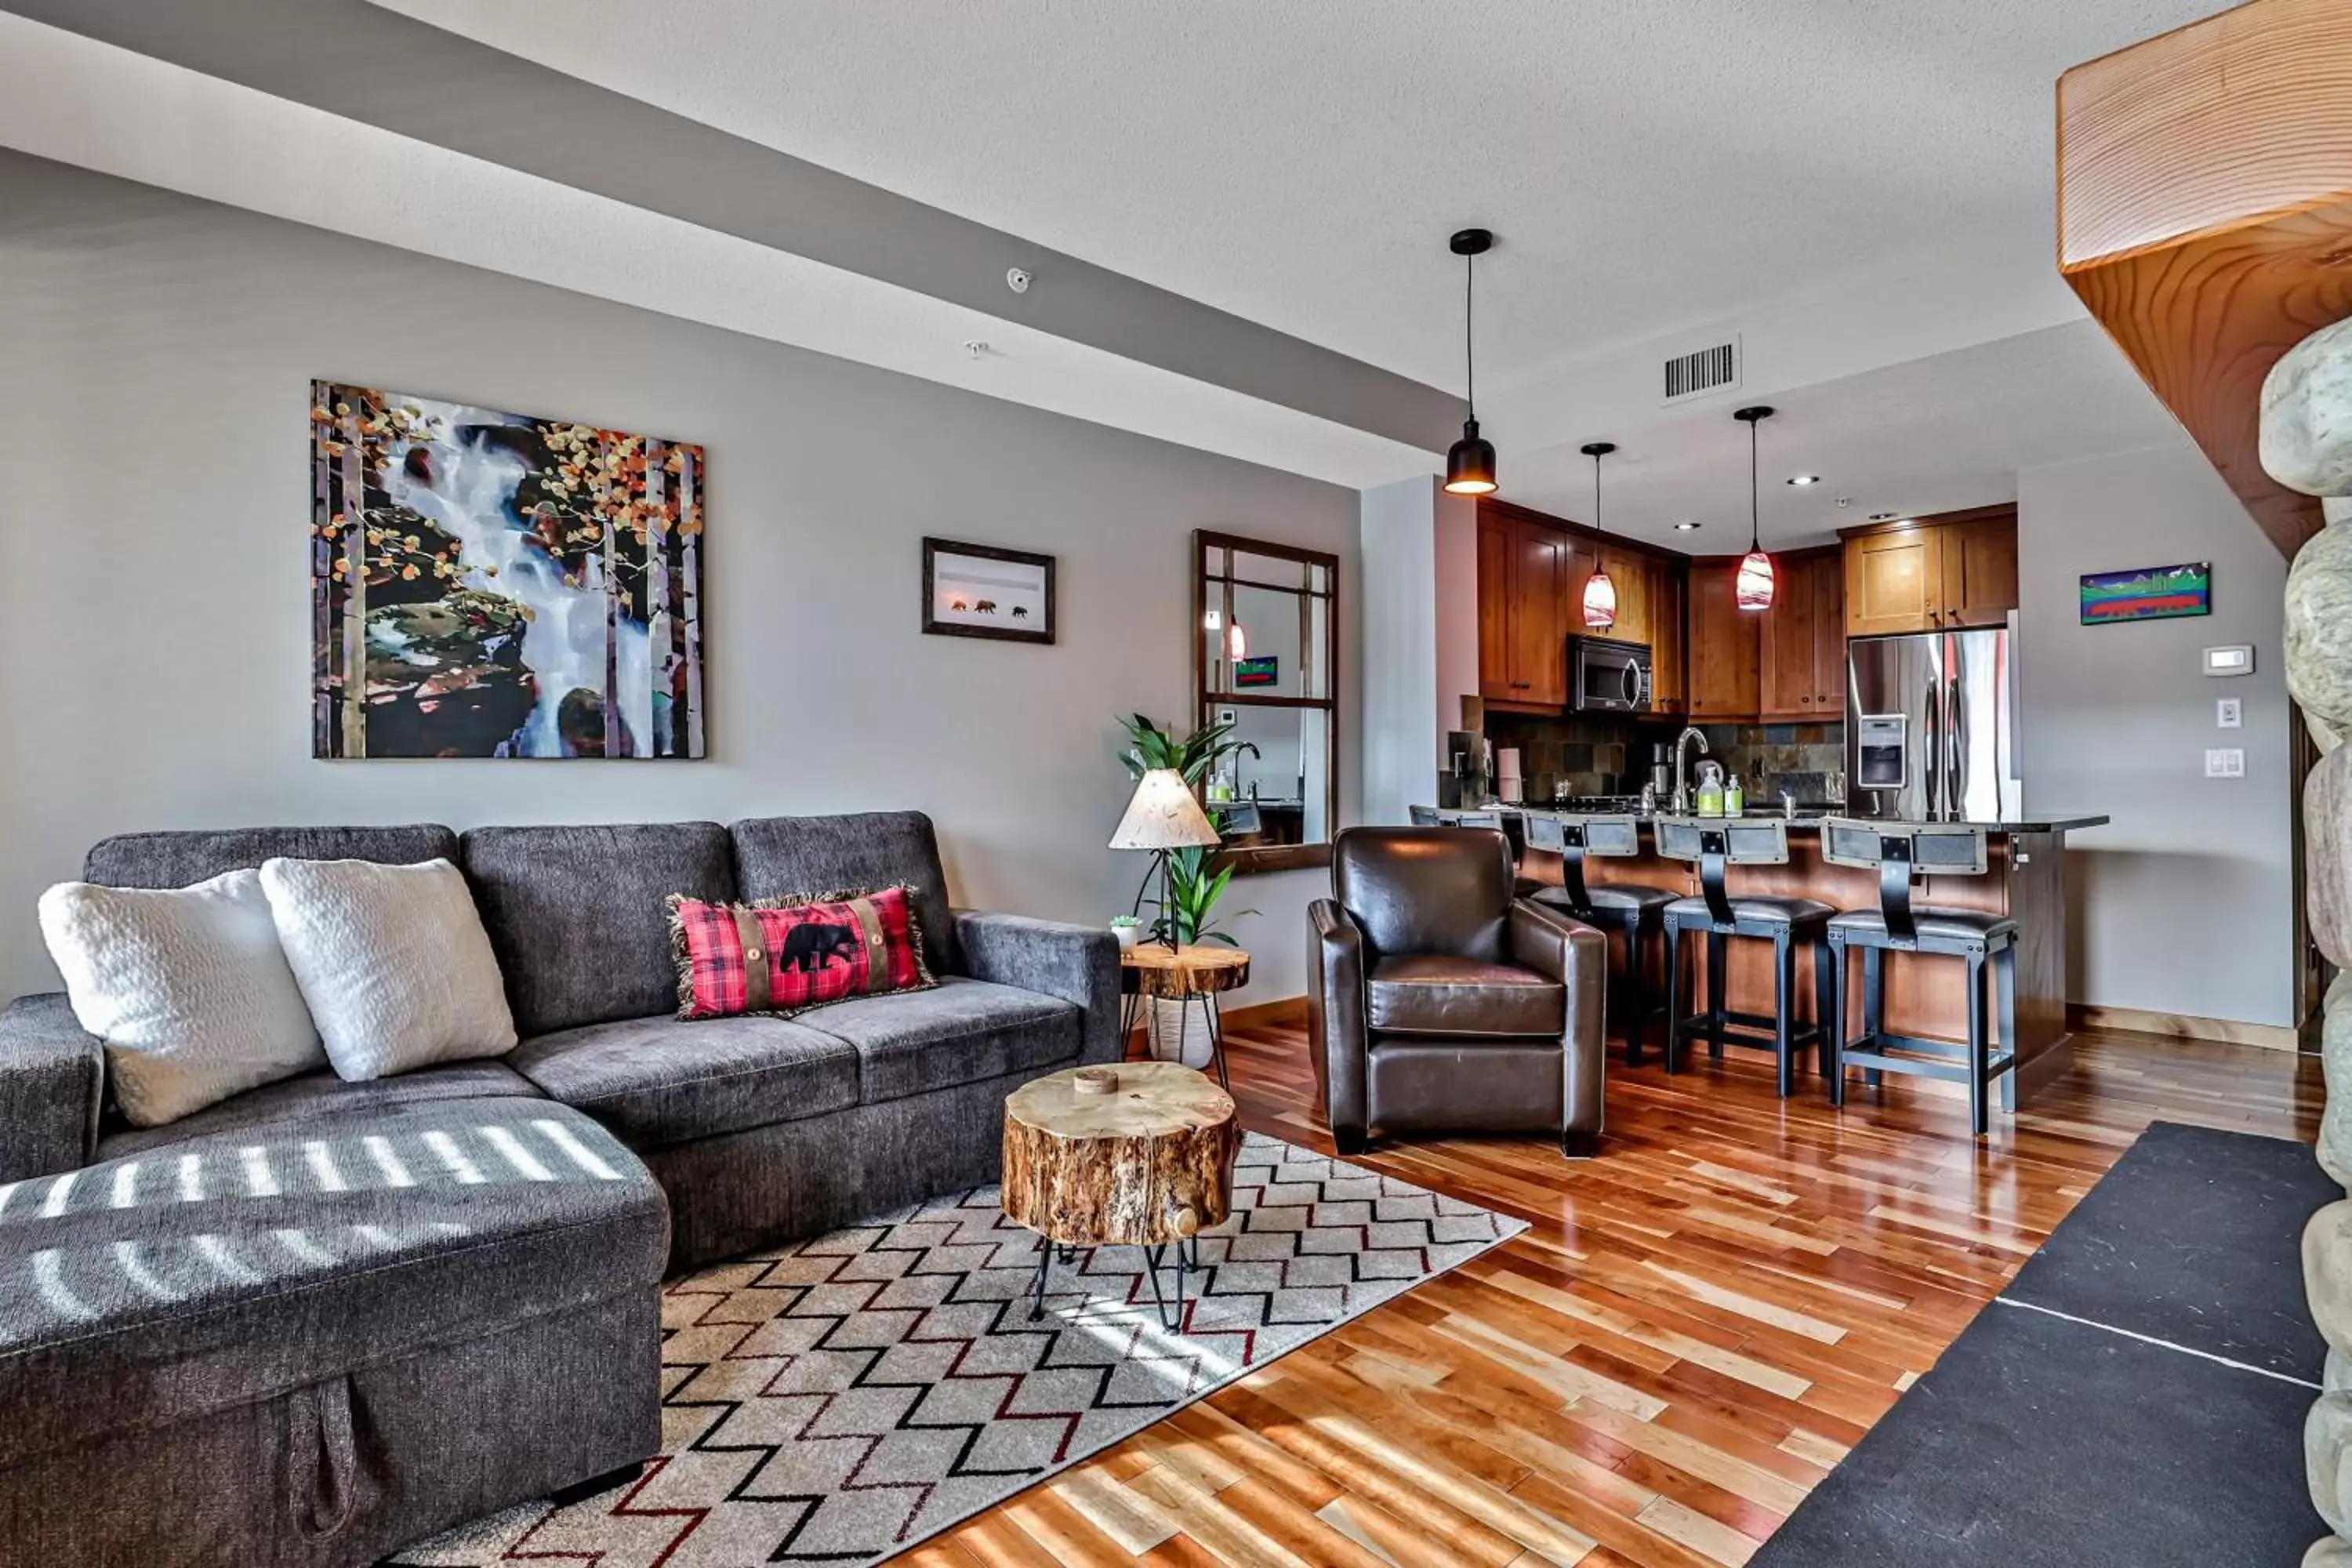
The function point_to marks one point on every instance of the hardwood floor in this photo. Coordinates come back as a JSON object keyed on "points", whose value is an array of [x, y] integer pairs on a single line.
{"points": [[1695, 1328]]}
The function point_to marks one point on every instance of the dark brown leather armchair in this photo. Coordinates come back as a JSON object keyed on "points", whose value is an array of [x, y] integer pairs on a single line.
{"points": [[1437, 1000]]}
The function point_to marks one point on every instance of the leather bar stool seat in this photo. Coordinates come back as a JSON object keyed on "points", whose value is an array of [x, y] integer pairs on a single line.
{"points": [[1750, 910], [1440, 993], [1616, 901], [1931, 923]]}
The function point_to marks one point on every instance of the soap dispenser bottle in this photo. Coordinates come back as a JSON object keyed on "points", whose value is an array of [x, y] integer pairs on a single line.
{"points": [[1708, 800]]}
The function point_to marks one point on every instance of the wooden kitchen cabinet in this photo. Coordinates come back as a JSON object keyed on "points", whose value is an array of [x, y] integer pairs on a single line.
{"points": [[1544, 594], [1631, 577], [1494, 608], [1829, 637], [1724, 645], [1523, 587], [1893, 583], [1532, 572], [1669, 685], [1979, 571], [1959, 569], [1801, 652]]}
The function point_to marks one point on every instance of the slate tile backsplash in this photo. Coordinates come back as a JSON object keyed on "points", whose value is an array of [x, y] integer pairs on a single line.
{"points": [[1580, 753]]}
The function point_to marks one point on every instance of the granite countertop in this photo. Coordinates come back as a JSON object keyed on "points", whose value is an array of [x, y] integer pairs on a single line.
{"points": [[1812, 817]]}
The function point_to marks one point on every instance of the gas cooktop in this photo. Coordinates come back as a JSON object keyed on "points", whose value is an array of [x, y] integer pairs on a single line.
{"points": [[1595, 803]]}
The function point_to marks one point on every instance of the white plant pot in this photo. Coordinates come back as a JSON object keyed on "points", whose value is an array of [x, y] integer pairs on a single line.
{"points": [[1178, 1032], [1127, 937]]}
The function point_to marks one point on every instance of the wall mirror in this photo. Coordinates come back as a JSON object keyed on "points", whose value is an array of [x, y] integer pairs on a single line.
{"points": [[1264, 657]]}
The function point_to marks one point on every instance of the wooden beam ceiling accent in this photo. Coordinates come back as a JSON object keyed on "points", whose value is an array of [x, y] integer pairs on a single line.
{"points": [[2205, 217]]}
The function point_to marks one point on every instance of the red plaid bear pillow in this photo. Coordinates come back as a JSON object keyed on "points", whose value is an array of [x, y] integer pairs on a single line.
{"points": [[779, 956]]}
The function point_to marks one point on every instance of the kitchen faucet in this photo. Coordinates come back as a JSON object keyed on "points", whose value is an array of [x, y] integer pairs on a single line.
{"points": [[1682, 766]]}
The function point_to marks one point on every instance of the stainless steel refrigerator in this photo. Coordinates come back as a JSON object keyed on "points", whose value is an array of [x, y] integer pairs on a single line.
{"points": [[1930, 726]]}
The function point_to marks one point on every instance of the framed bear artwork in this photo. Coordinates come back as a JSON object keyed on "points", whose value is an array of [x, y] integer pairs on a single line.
{"points": [[980, 591]]}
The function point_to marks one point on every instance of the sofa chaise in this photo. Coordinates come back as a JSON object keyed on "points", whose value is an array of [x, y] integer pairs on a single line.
{"points": [[320, 1319]]}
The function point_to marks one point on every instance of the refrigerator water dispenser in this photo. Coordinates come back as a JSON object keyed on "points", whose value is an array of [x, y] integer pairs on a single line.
{"points": [[1882, 758]]}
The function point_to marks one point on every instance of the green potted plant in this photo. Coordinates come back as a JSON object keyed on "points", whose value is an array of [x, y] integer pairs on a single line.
{"points": [[1187, 913], [1129, 928], [1191, 886]]}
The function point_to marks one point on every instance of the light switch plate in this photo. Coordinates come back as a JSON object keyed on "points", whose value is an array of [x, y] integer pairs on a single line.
{"points": [[2225, 763], [2229, 713], [2231, 658]]}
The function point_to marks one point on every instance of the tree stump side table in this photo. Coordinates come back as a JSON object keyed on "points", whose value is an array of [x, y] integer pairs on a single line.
{"points": [[1148, 1165], [1197, 971]]}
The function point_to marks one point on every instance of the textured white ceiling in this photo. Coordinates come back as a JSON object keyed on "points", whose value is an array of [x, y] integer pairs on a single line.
{"points": [[1646, 163], [1930, 435]]}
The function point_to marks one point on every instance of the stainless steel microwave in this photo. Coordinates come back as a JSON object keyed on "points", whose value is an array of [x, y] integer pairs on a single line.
{"points": [[1605, 676]]}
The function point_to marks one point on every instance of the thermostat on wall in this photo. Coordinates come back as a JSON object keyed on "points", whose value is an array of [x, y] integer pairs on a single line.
{"points": [[2235, 659]]}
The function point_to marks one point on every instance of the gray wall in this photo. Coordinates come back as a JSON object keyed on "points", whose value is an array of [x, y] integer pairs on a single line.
{"points": [[2185, 903], [155, 355], [1400, 621], [1420, 636]]}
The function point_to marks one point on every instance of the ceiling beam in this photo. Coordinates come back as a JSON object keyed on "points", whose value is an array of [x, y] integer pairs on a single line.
{"points": [[364, 63]]}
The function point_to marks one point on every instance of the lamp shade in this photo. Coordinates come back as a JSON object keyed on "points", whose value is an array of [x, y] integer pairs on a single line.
{"points": [[1752, 587], [1600, 601], [1470, 463], [1162, 814]]}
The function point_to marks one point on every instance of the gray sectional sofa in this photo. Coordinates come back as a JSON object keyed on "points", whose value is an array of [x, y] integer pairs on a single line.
{"points": [[321, 1320]]}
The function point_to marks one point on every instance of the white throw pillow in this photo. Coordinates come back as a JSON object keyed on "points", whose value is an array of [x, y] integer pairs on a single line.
{"points": [[393, 960], [187, 986]]}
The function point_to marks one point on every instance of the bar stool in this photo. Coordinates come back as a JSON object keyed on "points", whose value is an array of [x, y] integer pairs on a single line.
{"points": [[1898, 852], [1631, 907], [1789, 922]]}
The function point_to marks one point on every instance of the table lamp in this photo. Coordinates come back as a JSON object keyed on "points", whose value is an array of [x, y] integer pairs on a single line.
{"points": [[1162, 815]]}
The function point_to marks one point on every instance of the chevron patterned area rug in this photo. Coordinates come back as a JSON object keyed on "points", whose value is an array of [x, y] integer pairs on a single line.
{"points": [[842, 1399]]}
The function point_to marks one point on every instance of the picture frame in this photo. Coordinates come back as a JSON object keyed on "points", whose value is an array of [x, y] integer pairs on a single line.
{"points": [[2147, 593], [493, 584], [985, 591]]}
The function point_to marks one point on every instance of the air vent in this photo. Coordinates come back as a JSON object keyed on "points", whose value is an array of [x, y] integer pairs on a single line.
{"points": [[1714, 368]]}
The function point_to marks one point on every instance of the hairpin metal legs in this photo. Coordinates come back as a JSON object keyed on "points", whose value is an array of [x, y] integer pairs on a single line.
{"points": [[1188, 1259]]}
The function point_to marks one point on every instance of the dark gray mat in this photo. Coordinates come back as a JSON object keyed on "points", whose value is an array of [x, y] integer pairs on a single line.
{"points": [[2041, 1443], [2193, 1239]]}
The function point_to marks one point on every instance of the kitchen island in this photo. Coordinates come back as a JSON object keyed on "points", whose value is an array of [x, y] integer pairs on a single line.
{"points": [[2025, 879]]}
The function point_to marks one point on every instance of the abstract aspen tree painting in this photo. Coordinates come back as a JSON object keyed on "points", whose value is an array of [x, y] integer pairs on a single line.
{"points": [[489, 584]]}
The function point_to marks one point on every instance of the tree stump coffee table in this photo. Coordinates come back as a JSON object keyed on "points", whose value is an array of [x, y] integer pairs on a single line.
{"points": [[1139, 1155]]}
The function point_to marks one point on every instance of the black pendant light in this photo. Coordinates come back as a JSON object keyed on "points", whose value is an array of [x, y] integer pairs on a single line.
{"points": [[1752, 588], [1470, 462], [1600, 593]]}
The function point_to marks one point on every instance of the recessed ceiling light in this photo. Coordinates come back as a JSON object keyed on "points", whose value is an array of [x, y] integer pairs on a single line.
{"points": [[1802, 480], [1884, 516], [1684, 527]]}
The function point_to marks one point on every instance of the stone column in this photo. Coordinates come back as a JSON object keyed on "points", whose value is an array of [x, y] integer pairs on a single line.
{"points": [[2306, 445]]}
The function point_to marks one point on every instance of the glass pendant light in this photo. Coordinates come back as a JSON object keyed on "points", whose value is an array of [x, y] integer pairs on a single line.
{"points": [[1600, 593], [1752, 588], [1470, 462]]}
